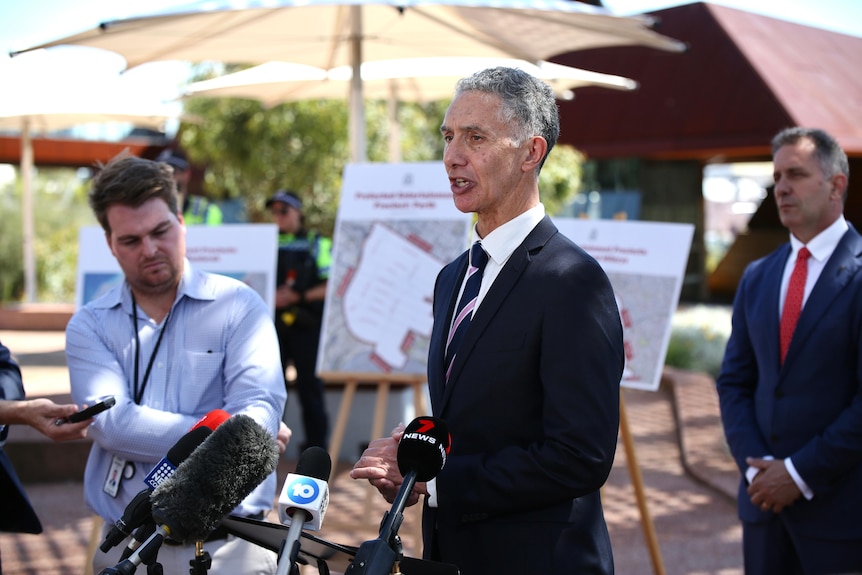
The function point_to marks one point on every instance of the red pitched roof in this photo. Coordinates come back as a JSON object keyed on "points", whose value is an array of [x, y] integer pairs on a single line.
{"points": [[745, 77]]}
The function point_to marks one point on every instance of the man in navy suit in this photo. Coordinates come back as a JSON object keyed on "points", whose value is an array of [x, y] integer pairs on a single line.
{"points": [[794, 425], [531, 397]]}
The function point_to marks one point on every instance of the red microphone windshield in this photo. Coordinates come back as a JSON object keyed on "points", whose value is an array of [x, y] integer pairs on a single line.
{"points": [[212, 419]]}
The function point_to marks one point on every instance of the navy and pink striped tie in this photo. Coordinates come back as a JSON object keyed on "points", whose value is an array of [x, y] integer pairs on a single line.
{"points": [[464, 311]]}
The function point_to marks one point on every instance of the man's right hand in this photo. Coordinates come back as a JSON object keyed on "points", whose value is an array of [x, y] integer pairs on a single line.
{"points": [[379, 465]]}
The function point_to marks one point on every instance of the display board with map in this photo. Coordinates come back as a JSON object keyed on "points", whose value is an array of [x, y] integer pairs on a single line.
{"points": [[395, 229], [645, 262], [246, 252]]}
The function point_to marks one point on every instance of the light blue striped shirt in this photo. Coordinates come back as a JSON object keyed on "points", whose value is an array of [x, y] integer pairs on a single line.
{"points": [[219, 351]]}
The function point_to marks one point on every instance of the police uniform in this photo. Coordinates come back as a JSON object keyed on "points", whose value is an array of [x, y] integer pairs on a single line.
{"points": [[303, 262]]}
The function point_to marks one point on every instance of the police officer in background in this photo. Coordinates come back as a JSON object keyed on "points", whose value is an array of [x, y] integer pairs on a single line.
{"points": [[304, 258], [196, 210]]}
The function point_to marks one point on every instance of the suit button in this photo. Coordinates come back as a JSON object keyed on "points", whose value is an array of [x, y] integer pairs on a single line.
{"points": [[778, 394], [773, 438]]}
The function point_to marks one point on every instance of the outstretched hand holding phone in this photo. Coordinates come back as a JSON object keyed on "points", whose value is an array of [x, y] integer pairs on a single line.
{"points": [[42, 415], [88, 412]]}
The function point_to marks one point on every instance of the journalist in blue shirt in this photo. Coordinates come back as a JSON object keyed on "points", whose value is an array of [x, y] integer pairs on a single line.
{"points": [[171, 343]]}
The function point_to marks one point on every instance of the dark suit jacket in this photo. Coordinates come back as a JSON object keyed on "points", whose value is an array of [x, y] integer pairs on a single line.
{"points": [[809, 409], [532, 404], [16, 513]]}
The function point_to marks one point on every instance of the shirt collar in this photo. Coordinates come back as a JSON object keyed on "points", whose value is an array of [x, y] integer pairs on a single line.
{"points": [[502, 242], [823, 244]]}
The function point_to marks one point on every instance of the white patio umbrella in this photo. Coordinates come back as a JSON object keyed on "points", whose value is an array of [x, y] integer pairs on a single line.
{"points": [[400, 80], [405, 79], [332, 33], [48, 96]]}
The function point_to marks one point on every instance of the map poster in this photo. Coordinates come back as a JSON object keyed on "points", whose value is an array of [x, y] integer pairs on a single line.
{"points": [[395, 229], [246, 252], [645, 262]]}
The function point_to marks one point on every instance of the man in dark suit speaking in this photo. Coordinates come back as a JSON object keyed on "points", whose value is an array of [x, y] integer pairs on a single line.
{"points": [[525, 358], [790, 385]]}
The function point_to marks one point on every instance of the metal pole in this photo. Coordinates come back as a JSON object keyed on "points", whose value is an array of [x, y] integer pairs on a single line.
{"points": [[357, 109], [27, 212]]}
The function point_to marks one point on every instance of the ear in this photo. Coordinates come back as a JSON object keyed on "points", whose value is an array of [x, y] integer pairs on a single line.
{"points": [[839, 183], [536, 149]]}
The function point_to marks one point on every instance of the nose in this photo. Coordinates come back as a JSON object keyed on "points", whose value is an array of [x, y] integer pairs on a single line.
{"points": [[453, 154], [149, 246]]}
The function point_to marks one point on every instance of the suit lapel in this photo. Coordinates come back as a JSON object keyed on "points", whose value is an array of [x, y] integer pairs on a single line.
{"points": [[445, 295], [503, 284], [837, 273], [772, 273]]}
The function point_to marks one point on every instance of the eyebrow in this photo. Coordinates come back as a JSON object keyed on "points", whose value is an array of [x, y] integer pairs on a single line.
{"points": [[158, 227], [468, 128]]}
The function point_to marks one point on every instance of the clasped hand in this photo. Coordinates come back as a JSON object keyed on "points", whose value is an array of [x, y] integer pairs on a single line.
{"points": [[772, 489]]}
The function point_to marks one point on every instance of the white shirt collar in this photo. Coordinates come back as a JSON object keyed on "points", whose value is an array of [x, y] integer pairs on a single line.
{"points": [[823, 244], [501, 243]]}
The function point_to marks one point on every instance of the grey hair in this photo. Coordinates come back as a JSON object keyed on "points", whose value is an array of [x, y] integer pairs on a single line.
{"points": [[830, 156], [528, 104]]}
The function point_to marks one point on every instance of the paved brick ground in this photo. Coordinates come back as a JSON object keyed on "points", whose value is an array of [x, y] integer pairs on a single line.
{"points": [[688, 478]]}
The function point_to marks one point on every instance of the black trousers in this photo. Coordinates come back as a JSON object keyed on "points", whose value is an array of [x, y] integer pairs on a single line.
{"points": [[299, 345]]}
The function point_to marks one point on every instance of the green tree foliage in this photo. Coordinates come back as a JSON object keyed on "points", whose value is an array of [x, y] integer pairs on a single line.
{"points": [[251, 151], [560, 178], [60, 209]]}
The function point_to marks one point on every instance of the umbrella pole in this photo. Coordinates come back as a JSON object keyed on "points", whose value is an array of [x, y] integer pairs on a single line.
{"points": [[357, 103], [394, 126], [27, 212]]}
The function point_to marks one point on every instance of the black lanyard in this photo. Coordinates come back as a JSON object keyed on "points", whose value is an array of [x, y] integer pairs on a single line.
{"points": [[139, 393]]}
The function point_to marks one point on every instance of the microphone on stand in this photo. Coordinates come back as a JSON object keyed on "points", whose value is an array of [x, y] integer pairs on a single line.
{"points": [[302, 503], [138, 511], [207, 486], [422, 454], [168, 465]]}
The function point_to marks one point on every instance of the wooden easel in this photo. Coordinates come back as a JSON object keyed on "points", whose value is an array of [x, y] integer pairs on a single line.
{"points": [[383, 384], [640, 494]]}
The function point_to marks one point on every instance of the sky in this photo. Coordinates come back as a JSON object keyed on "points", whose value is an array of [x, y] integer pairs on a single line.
{"points": [[27, 23]]}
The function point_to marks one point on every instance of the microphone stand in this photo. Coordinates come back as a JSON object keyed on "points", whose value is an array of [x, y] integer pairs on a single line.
{"points": [[146, 554], [382, 556], [202, 561]]}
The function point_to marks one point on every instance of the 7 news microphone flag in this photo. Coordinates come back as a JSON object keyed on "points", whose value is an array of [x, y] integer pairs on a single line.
{"points": [[422, 453]]}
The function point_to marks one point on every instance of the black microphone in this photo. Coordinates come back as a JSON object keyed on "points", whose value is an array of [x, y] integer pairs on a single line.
{"points": [[139, 509], [422, 454], [138, 512], [303, 502], [207, 486], [139, 536]]}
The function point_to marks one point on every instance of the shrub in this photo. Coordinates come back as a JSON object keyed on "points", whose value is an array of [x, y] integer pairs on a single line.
{"points": [[698, 337]]}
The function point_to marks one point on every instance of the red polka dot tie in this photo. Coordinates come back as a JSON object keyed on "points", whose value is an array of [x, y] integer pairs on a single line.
{"points": [[793, 300]]}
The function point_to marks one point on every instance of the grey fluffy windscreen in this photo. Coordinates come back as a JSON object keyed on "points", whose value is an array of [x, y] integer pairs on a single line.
{"points": [[215, 478]]}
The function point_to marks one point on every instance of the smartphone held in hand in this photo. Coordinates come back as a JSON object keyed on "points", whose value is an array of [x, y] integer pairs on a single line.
{"points": [[89, 412]]}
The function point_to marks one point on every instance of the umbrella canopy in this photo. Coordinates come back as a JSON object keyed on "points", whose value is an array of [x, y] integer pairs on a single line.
{"points": [[401, 80], [405, 80], [332, 33], [50, 95]]}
